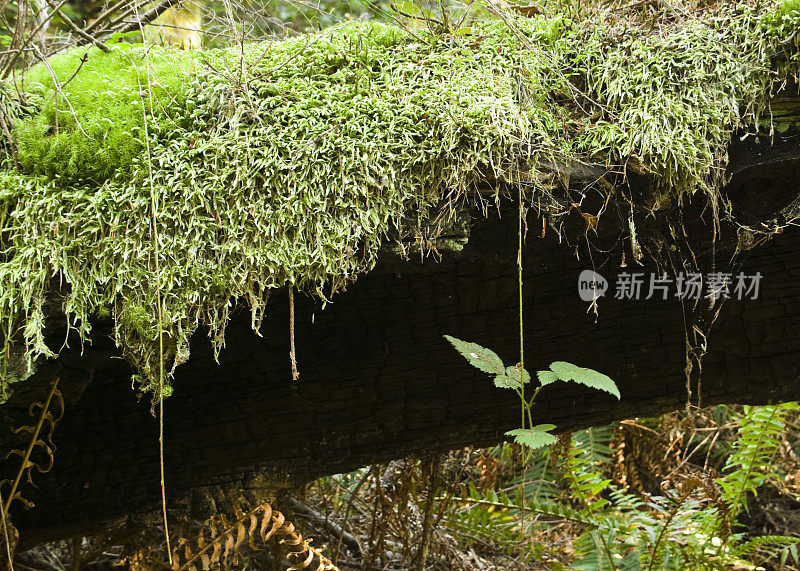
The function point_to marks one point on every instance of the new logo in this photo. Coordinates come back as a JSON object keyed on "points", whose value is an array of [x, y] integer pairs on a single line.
{"points": [[591, 285]]}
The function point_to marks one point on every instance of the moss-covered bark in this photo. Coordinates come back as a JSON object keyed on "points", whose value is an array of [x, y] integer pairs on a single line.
{"points": [[378, 380], [165, 186]]}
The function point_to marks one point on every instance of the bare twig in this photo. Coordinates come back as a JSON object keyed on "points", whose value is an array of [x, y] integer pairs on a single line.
{"points": [[292, 355], [19, 51], [16, 38], [330, 526], [104, 15], [134, 9], [71, 25], [57, 87], [84, 59], [145, 18]]}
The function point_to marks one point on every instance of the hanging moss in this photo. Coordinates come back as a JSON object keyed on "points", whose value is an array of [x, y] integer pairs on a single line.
{"points": [[198, 179]]}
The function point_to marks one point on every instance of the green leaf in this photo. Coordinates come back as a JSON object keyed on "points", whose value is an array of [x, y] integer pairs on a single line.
{"points": [[518, 373], [119, 36], [546, 377], [533, 438], [479, 357], [513, 378], [588, 377], [411, 8]]}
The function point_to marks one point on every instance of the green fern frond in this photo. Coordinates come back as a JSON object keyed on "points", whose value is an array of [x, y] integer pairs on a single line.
{"points": [[769, 547], [750, 465]]}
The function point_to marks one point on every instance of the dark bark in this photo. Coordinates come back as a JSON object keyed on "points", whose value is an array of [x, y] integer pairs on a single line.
{"points": [[379, 382]]}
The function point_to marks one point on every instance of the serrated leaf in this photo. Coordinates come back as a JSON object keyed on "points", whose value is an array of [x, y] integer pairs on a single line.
{"points": [[533, 438], [512, 378], [544, 427], [479, 357], [584, 376], [518, 374], [546, 377]]}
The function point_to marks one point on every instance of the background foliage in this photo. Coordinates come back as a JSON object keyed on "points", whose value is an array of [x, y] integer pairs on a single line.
{"points": [[659, 493]]}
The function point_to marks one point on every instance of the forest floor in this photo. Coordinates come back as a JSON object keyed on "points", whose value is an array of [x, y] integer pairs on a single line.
{"points": [[464, 509]]}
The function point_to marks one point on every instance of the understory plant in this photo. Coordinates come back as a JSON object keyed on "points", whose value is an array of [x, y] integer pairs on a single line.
{"points": [[530, 435], [690, 524], [693, 523]]}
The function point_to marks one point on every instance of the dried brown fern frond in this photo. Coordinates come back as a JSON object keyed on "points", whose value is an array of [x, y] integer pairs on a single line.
{"points": [[642, 458], [10, 536], [256, 526], [41, 440], [488, 467]]}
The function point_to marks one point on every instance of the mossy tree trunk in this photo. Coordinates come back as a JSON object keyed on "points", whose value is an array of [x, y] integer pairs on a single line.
{"points": [[378, 381]]}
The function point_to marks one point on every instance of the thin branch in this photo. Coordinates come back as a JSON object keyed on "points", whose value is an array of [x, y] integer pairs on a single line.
{"points": [[16, 38], [104, 15], [292, 356], [24, 47], [134, 9], [84, 59], [57, 87], [145, 18], [72, 26]]}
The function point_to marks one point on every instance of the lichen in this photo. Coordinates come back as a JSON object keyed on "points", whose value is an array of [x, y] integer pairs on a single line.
{"points": [[165, 186]]}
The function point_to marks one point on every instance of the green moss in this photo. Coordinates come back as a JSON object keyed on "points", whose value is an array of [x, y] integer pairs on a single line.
{"points": [[785, 15], [288, 163], [9, 114], [92, 126]]}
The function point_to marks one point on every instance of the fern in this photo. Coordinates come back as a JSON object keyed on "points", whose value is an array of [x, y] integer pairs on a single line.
{"points": [[488, 516], [595, 443], [595, 553], [769, 547], [257, 525], [585, 480], [750, 464], [540, 477]]}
